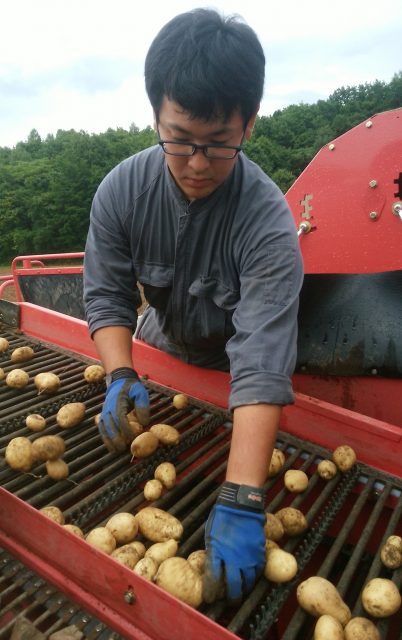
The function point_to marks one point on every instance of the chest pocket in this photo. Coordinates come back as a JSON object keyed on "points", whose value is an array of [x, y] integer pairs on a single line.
{"points": [[213, 304]]}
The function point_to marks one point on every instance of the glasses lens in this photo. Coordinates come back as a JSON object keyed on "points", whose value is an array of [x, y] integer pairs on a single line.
{"points": [[178, 148], [223, 153]]}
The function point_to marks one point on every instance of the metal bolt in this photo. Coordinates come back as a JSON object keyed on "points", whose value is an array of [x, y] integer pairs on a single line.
{"points": [[129, 596], [373, 215], [374, 372], [331, 146], [373, 184], [369, 124], [397, 209]]}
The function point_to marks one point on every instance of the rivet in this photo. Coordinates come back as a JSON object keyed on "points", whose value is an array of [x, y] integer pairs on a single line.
{"points": [[373, 184], [373, 215], [369, 124], [129, 597], [374, 372], [331, 146]]}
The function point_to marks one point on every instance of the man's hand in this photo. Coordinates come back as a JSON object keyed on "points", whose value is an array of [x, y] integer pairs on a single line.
{"points": [[235, 543], [124, 393]]}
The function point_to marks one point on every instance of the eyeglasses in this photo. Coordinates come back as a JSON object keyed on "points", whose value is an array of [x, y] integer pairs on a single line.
{"points": [[187, 149]]}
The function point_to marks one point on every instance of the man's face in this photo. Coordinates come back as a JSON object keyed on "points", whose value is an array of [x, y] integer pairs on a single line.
{"points": [[198, 176]]}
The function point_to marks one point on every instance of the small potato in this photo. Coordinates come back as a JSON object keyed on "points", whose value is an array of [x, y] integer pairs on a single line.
{"points": [[22, 354], [126, 555], [48, 448], [293, 521], [4, 344], [177, 576], [102, 539], [391, 552], [273, 528], [280, 566], [57, 469], [134, 426], [361, 629], [70, 414], [296, 480], [94, 373], [74, 529], [35, 422], [319, 596], [54, 513], [138, 546], [328, 628], [146, 568], [2, 373], [197, 560], [47, 382], [97, 418], [17, 379], [180, 401], [166, 473], [327, 469], [153, 490], [160, 551], [344, 458], [144, 445], [276, 463], [18, 454], [157, 525], [381, 598], [123, 526], [166, 434]]}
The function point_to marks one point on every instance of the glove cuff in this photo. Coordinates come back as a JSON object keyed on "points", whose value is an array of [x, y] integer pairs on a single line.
{"points": [[121, 372], [242, 496]]}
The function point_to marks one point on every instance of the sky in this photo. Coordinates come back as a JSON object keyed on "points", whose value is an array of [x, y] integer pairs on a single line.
{"points": [[78, 64]]}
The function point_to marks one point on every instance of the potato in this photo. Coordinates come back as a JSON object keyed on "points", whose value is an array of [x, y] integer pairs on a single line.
{"points": [[328, 628], [70, 414], [293, 520], [273, 528], [138, 546], [17, 379], [280, 566], [97, 418], [318, 596], [22, 354], [391, 552], [18, 454], [327, 469], [35, 422], [165, 433], [2, 373], [74, 529], [57, 469], [269, 545], [54, 513], [94, 373], [381, 598], [361, 629], [123, 526], [160, 551], [197, 560], [48, 448], [153, 490], [144, 445], [126, 555], [180, 401], [157, 525], [166, 473], [146, 568], [134, 426], [344, 458], [102, 539], [276, 463], [295, 480], [177, 576], [4, 344], [47, 382]]}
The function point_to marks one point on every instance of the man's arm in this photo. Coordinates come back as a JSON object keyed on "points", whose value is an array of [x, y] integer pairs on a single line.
{"points": [[114, 345]]}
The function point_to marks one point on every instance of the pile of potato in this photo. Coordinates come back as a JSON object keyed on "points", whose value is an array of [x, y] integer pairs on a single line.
{"points": [[146, 443], [16, 378], [164, 478]]}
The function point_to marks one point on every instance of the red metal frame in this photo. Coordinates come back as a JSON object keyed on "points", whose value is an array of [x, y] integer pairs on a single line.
{"points": [[35, 265]]}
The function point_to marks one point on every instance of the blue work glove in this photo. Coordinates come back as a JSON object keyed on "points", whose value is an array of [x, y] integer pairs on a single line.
{"points": [[234, 542], [124, 393]]}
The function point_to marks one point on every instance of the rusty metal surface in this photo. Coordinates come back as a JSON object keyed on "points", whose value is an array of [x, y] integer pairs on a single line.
{"points": [[348, 517]]}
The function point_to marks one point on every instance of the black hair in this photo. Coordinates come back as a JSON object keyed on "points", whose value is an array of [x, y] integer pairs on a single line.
{"points": [[210, 65]]}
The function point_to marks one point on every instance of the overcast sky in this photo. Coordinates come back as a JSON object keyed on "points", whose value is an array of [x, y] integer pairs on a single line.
{"points": [[78, 64]]}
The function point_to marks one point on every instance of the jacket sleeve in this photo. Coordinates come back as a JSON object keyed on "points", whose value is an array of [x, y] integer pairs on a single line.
{"points": [[263, 350], [111, 295]]}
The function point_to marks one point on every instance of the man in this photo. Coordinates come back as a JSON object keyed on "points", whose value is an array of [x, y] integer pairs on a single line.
{"points": [[212, 241]]}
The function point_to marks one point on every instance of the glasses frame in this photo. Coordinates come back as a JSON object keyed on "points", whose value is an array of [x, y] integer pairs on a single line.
{"points": [[202, 147]]}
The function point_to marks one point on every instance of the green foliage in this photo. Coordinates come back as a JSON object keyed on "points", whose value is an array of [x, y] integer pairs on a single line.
{"points": [[47, 185]]}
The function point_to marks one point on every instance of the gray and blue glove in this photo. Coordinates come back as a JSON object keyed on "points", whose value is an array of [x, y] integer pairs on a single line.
{"points": [[124, 393], [234, 542]]}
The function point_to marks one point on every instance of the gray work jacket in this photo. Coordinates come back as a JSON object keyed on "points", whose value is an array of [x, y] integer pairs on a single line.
{"points": [[221, 274]]}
